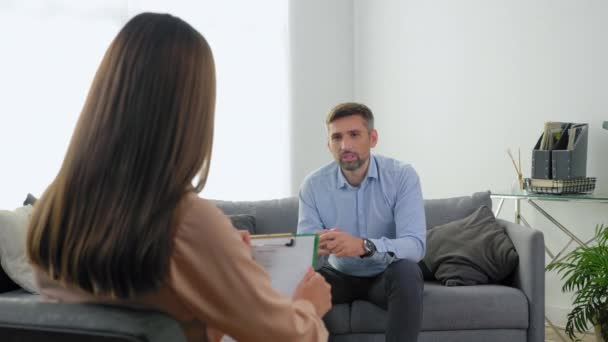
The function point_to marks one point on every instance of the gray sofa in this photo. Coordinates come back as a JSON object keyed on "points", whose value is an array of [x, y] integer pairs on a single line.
{"points": [[513, 311]]}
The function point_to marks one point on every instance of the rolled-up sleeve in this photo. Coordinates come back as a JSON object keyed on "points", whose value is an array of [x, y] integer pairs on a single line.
{"points": [[410, 220]]}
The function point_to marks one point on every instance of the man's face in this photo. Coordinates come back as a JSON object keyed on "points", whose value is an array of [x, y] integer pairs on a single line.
{"points": [[350, 141]]}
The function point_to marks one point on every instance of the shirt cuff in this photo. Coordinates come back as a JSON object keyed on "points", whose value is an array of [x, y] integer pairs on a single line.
{"points": [[380, 246]]}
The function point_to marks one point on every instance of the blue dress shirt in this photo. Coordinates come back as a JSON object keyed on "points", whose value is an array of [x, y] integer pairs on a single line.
{"points": [[387, 208]]}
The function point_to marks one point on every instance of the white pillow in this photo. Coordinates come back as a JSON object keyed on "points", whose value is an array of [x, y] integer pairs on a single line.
{"points": [[13, 233]]}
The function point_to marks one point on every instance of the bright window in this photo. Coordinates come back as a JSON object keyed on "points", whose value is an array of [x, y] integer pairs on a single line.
{"points": [[51, 49]]}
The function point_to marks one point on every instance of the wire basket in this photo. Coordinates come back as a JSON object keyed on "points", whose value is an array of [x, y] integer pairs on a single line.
{"points": [[583, 185]]}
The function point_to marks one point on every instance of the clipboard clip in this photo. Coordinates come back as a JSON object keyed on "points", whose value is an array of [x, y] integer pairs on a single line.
{"points": [[290, 242]]}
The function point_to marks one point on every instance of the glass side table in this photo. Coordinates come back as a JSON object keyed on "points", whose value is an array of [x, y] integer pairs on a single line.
{"points": [[533, 199]]}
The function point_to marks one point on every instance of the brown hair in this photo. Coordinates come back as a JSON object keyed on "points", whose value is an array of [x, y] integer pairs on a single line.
{"points": [[145, 132], [351, 108]]}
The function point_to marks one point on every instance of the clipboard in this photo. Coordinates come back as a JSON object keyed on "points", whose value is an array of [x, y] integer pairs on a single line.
{"points": [[285, 257]]}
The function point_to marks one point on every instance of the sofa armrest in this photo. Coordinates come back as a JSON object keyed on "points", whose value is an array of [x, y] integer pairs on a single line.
{"points": [[529, 276], [24, 318]]}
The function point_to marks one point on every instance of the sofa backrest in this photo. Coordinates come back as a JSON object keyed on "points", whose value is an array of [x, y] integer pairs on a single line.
{"points": [[281, 215], [271, 216], [441, 211]]}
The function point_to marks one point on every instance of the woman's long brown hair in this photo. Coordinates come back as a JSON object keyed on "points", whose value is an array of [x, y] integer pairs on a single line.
{"points": [[145, 133]]}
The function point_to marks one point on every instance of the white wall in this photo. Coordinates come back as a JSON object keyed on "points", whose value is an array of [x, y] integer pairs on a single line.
{"points": [[321, 75], [454, 84]]}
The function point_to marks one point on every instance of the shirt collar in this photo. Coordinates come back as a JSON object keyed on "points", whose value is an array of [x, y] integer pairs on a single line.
{"points": [[372, 172]]}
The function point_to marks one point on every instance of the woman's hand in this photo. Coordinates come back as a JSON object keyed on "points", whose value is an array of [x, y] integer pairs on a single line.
{"points": [[246, 238], [214, 335], [315, 289]]}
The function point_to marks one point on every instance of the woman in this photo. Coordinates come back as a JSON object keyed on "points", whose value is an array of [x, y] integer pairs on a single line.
{"points": [[122, 223]]}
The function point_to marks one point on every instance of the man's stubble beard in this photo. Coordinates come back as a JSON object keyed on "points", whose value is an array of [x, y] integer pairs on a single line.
{"points": [[353, 165]]}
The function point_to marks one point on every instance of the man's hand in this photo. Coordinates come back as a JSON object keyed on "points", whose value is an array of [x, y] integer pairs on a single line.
{"points": [[334, 241]]}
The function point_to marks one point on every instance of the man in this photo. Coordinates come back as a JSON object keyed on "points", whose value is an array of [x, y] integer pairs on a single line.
{"points": [[369, 214]]}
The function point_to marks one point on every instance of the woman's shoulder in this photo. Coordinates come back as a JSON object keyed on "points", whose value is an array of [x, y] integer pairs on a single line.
{"points": [[193, 207], [196, 215], [191, 204]]}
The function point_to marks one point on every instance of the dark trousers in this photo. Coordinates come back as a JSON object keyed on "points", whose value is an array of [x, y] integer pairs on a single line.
{"points": [[397, 290]]}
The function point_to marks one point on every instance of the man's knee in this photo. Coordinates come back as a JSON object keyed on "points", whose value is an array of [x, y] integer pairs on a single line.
{"points": [[405, 272]]}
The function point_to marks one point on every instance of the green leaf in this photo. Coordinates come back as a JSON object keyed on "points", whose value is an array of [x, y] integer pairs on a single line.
{"points": [[585, 272]]}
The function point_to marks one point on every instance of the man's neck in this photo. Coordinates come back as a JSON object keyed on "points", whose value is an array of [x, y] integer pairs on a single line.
{"points": [[356, 177]]}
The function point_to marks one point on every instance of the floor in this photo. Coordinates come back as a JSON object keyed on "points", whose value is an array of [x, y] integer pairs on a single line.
{"points": [[551, 336]]}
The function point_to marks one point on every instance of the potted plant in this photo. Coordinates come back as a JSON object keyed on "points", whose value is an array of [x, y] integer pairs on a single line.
{"points": [[585, 271]]}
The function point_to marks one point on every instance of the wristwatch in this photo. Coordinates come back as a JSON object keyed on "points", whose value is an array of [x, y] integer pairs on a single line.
{"points": [[370, 248]]}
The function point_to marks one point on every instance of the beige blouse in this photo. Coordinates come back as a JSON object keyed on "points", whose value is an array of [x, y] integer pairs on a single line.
{"points": [[214, 281]]}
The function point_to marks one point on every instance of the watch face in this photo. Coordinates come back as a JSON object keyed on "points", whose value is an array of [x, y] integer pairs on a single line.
{"points": [[369, 246]]}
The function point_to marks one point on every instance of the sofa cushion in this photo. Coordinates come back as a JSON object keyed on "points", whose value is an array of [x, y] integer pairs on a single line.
{"points": [[470, 251], [441, 211], [481, 335], [454, 308], [30, 199], [13, 258], [6, 283]]}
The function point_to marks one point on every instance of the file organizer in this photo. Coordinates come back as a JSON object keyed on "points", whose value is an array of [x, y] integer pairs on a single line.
{"points": [[570, 164], [561, 163], [541, 162]]}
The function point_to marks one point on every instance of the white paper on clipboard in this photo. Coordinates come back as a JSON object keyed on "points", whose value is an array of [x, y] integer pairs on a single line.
{"points": [[285, 258]]}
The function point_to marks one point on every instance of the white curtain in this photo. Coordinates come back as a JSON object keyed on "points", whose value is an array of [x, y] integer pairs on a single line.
{"points": [[50, 50]]}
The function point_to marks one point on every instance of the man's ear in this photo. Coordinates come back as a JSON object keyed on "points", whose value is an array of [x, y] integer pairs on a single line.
{"points": [[373, 138], [328, 138]]}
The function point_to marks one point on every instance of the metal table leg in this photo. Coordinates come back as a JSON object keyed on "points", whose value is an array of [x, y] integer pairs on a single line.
{"points": [[547, 250], [555, 222], [517, 210], [502, 201]]}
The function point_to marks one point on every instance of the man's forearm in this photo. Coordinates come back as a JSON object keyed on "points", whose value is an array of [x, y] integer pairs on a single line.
{"points": [[409, 247]]}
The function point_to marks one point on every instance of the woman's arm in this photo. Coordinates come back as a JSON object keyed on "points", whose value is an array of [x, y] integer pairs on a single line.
{"points": [[215, 277]]}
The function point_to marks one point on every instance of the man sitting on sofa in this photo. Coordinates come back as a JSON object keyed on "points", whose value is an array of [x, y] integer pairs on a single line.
{"points": [[369, 213]]}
